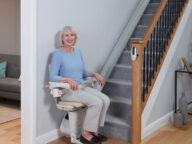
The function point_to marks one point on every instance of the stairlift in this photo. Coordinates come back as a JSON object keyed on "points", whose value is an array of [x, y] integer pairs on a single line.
{"points": [[76, 111]]}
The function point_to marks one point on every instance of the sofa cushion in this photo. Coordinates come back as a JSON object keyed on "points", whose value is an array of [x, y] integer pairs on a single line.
{"points": [[13, 65], [3, 69], [10, 84]]}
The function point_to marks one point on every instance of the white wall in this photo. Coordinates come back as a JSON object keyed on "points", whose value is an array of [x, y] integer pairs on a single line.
{"points": [[98, 25], [10, 27], [164, 103]]}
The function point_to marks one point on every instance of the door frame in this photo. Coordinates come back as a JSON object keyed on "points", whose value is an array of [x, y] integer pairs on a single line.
{"points": [[28, 71]]}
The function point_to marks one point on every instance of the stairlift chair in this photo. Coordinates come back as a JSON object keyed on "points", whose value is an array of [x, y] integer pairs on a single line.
{"points": [[75, 110]]}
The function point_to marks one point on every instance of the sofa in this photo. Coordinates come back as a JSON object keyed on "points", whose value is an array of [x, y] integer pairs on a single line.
{"points": [[10, 86]]}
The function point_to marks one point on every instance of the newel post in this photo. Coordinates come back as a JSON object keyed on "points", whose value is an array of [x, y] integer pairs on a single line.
{"points": [[136, 111]]}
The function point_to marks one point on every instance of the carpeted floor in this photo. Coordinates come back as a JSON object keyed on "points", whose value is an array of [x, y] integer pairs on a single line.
{"points": [[9, 110]]}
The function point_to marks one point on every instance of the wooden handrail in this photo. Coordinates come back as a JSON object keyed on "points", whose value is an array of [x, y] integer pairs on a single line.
{"points": [[137, 104]]}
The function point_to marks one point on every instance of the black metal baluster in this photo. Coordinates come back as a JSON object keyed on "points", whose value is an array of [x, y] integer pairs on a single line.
{"points": [[144, 87], [150, 61], [147, 55], [164, 31], [157, 37], [153, 51], [151, 57]]}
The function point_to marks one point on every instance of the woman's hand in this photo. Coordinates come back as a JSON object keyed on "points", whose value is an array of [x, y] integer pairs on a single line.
{"points": [[99, 78], [73, 84]]}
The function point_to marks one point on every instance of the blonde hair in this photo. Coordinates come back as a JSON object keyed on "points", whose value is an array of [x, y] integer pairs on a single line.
{"points": [[64, 30]]}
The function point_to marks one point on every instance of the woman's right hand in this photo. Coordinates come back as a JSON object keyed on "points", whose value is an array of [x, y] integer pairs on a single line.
{"points": [[73, 84]]}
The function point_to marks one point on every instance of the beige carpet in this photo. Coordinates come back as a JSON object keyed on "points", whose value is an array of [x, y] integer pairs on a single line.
{"points": [[9, 110]]}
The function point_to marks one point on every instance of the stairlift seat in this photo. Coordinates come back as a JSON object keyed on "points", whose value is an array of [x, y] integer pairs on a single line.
{"points": [[70, 106]]}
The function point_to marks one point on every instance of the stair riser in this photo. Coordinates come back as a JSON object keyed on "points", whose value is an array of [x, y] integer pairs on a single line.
{"points": [[139, 32], [125, 59], [121, 73], [120, 110], [117, 89], [151, 8], [146, 19], [116, 131], [155, 1]]}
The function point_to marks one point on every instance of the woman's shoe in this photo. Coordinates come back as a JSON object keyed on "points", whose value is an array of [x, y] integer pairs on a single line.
{"points": [[100, 137], [94, 140]]}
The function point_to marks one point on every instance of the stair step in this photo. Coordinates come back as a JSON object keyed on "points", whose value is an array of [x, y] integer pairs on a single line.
{"points": [[155, 1], [121, 72], [116, 128], [139, 31], [115, 120], [119, 99], [123, 66], [118, 87], [146, 19], [125, 58], [120, 82], [118, 108], [151, 8]]}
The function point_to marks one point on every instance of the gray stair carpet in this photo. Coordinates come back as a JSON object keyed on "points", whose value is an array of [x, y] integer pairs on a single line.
{"points": [[119, 84]]}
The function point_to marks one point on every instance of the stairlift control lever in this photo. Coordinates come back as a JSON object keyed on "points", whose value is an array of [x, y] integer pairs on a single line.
{"points": [[133, 53]]}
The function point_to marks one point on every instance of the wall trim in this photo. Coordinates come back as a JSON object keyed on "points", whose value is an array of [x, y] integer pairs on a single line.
{"points": [[49, 136], [167, 62], [122, 41], [28, 71], [157, 124]]}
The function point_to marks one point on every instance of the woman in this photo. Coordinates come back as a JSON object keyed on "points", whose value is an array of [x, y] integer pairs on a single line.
{"points": [[68, 66]]}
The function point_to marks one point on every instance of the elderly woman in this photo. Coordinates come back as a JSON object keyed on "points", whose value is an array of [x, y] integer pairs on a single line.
{"points": [[67, 66]]}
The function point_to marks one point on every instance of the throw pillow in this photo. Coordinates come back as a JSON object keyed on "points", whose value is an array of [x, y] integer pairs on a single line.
{"points": [[3, 69]]}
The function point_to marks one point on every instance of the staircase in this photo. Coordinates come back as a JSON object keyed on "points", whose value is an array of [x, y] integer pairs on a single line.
{"points": [[119, 84], [152, 43]]}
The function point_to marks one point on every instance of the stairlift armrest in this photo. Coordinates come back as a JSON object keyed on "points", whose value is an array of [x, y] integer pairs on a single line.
{"points": [[87, 81], [90, 79], [58, 88], [53, 85]]}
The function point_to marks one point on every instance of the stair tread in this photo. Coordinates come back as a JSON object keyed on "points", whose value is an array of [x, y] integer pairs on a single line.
{"points": [[120, 99], [123, 66], [142, 26], [153, 3], [115, 120], [134, 39], [120, 81]]}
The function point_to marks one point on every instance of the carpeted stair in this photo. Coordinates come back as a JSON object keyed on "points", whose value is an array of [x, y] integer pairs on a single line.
{"points": [[118, 86]]}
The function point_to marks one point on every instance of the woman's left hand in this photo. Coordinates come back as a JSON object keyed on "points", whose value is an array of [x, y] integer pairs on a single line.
{"points": [[99, 78]]}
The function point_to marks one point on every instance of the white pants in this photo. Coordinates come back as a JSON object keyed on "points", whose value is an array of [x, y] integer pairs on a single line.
{"points": [[97, 103]]}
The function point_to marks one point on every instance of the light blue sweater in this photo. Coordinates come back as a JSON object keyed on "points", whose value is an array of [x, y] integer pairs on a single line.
{"points": [[68, 65]]}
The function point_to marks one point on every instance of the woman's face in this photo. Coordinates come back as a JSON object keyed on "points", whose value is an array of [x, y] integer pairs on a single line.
{"points": [[68, 38]]}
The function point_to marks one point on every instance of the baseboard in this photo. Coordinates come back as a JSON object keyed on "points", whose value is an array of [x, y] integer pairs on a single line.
{"points": [[48, 137], [149, 129]]}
